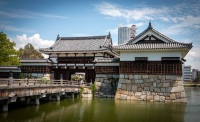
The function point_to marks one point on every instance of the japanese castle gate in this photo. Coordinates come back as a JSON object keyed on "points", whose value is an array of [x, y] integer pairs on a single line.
{"points": [[147, 67]]}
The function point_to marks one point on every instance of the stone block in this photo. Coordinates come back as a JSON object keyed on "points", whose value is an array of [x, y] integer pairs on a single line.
{"points": [[124, 92], [130, 77], [166, 84], [123, 86], [149, 97], [162, 90], [129, 87], [183, 95], [143, 97], [157, 89], [159, 84], [140, 77], [135, 77], [123, 96], [128, 81], [119, 86], [121, 76], [134, 87], [172, 96], [154, 84], [128, 97], [166, 98], [146, 80], [162, 98], [148, 93], [159, 77], [146, 84], [167, 101], [177, 89], [101, 79], [145, 76], [144, 92], [153, 93], [138, 81], [106, 81], [138, 93], [146, 88], [158, 81], [174, 83], [151, 76], [132, 81], [98, 84], [140, 89], [151, 88], [156, 98], [103, 76], [130, 93], [160, 94], [97, 79], [134, 98], [166, 94], [121, 80], [115, 76], [142, 85], [152, 80], [178, 95], [126, 76], [179, 78], [180, 83]]}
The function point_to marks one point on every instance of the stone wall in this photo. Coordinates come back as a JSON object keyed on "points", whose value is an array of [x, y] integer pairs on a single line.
{"points": [[106, 84], [161, 88]]}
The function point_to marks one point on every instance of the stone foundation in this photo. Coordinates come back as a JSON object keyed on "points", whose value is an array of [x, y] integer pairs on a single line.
{"points": [[161, 88], [106, 84]]}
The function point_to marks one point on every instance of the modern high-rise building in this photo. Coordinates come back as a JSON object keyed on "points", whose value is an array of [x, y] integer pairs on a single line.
{"points": [[187, 74], [126, 33], [195, 74]]}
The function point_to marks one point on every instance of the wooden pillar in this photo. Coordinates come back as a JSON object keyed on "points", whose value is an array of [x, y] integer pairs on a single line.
{"points": [[37, 100], [73, 94], [27, 100], [58, 97]]}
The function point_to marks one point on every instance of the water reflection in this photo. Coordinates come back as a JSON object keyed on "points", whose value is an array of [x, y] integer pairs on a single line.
{"points": [[108, 110]]}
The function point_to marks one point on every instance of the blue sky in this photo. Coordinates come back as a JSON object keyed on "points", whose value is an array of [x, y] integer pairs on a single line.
{"points": [[40, 21]]}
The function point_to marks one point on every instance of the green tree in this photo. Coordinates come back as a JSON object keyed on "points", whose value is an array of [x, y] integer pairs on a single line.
{"points": [[29, 52], [8, 54]]}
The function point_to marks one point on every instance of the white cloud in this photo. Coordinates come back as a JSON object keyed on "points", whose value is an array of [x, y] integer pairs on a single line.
{"points": [[35, 40], [185, 25], [145, 13], [193, 57]]}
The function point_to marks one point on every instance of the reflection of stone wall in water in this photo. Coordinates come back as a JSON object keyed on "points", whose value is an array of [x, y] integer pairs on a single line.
{"points": [[106, 84], [162, 88]]}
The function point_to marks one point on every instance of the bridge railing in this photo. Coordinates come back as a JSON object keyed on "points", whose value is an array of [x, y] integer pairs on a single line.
{"points": [[9, 82]]}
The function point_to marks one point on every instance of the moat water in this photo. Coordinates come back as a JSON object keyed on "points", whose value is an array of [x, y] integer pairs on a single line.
{"points": [[108, 110]]}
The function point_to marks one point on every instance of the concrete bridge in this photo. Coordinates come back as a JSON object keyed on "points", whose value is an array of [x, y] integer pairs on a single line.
{"points": [[32, 90]]}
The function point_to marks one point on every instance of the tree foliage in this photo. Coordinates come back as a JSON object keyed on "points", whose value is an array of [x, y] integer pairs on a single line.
{"points": [[8, 54], [29, 52]]}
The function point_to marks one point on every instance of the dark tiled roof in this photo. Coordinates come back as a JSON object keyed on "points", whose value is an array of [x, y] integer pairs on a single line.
{"points": [[152, 46], [132, 41], [107, 60], [35, 61], [80, 44], [170, 44]]}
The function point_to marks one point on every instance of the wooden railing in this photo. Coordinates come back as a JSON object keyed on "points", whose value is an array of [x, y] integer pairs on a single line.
{"points": [[9, 82]]}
